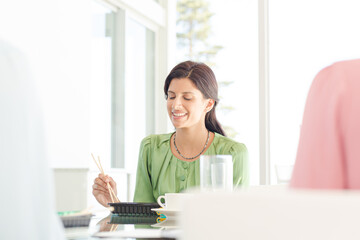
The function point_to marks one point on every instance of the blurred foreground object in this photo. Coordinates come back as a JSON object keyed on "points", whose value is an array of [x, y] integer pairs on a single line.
{"points": [[328, 153], [271, 212], [27, 203]]}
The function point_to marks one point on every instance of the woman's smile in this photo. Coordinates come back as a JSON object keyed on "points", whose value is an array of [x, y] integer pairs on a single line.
{"points": [[178, 115]]}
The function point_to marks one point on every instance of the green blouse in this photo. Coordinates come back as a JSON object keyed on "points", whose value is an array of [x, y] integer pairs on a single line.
{"points": [[160, 172]]}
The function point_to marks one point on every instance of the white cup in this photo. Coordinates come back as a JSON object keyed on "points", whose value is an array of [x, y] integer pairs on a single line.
{"points": [[216, 173], [173, 201]]}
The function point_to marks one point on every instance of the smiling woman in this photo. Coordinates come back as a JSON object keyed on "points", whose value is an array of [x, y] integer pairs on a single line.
{"points": [[185, 103], [169, 163]]}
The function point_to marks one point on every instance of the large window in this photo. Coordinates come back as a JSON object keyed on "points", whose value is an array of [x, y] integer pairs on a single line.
{"points": [[139, 88], [122, 89], [103, 27], [297, 39], [125, 83], [237, 63], [233, 27]]}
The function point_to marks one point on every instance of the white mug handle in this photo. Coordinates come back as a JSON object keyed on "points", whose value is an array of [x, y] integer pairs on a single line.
{"points": [[159, 201]]}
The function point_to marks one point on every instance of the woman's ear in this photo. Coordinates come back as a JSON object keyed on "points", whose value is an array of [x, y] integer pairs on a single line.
{"points": [[210, 105]]}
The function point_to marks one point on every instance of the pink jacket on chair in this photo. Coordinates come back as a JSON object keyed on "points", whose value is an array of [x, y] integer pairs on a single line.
{"points": [[328, 154]]}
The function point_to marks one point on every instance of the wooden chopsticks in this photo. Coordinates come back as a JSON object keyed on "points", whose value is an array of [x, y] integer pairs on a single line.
{"points": [[111, 191], [113, 227]]}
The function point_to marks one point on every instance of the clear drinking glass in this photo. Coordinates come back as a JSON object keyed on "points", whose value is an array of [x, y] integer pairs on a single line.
{"points": [[216, 173]]}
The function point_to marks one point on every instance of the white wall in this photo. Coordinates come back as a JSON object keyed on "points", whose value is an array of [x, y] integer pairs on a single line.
{"points": [[56, 37], [58, 49]]}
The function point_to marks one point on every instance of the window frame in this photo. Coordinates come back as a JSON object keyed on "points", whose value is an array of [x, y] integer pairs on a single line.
{"points": [[264, 104], [155, 17]]}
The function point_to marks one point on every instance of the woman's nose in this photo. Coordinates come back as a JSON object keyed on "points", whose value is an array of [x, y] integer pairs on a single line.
{"points": [[177, 103]]}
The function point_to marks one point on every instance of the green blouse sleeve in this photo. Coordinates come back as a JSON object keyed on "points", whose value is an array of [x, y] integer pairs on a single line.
{"points": [[143, 187], [241, 166]]}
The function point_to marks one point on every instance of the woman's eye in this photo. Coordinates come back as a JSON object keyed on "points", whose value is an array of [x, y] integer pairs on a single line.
{"points": [[171, 97], [186, 98]]}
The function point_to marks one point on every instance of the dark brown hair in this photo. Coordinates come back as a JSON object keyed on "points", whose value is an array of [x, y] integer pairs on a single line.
{"points": [[204, 79]]}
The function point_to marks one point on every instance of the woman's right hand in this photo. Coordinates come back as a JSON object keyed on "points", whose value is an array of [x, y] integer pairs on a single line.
{"points": [[101, 191]]}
